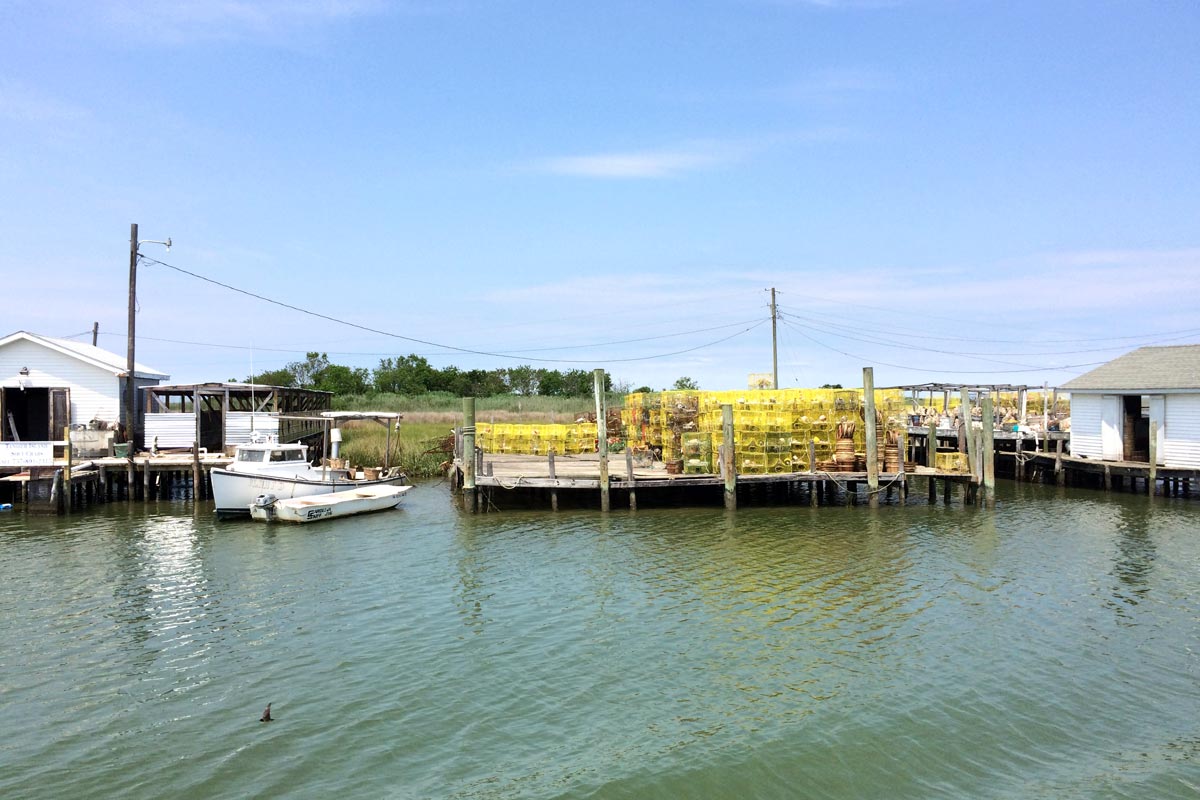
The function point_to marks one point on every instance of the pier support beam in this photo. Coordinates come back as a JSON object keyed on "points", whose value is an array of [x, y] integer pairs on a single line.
{"points": [[872, 440], [1153, 457], [553, 477], [468, 455], [728, 458], [989, 451], [602, 437]]}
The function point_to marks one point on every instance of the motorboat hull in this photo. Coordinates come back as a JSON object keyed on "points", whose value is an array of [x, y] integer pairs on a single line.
{"points": [[345, 503], [234, 492]]}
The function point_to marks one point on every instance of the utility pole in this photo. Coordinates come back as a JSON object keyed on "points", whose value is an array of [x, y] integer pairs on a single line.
{"points": [[130, 389], [95, 332], [774, 345]]}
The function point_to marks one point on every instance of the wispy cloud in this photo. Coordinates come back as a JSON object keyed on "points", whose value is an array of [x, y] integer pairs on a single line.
{"points": [[183, 20], [833, 83], [22, 103], [681, 159], [663, 163]]}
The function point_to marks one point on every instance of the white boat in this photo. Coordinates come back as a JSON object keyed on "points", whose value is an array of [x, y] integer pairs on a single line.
{"points": [[360, 500], [267, 467]]}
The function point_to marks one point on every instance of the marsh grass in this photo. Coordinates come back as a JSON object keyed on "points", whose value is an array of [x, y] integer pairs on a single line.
{"points": [[443, 407], [364, 443]]}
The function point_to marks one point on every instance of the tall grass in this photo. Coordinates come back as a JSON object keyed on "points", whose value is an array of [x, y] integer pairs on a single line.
{"points": [[364, 444], [446, 407]]}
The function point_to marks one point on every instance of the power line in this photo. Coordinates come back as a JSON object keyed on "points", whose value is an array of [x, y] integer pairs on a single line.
{"points": [[947, 371], [470, 351], [1183, 334]]}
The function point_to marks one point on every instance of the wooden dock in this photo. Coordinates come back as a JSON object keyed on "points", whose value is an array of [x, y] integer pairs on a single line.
{"points": [[515, 481], [63, 486]]}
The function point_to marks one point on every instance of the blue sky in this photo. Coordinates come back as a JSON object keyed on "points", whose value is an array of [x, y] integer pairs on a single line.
{"points": [[953, 191]]}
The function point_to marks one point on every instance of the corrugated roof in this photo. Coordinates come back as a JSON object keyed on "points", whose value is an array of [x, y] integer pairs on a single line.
{"points": [[89, 353], [1176, 367]]}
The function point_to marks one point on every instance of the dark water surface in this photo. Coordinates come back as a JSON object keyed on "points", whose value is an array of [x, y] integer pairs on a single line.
{"points": [[1046, 649]]}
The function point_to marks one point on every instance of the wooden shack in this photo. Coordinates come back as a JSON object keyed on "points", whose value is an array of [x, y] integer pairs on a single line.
{"points": [[220, 416], [48, 384], [1114, 407]]}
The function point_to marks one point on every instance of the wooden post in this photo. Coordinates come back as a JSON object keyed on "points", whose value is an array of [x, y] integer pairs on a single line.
{"points": [[629, 477], [1059, 477], [146, 480], [601, 436], [903, 449], [812, 468], [989, 451], [195, 470], [1107, 478], [872, 440], [1023, 399], [969, 435], [131, 367], [69, 499], [1153, 456], [931, 445], [728, 457], [553, 477], [470, 496]]}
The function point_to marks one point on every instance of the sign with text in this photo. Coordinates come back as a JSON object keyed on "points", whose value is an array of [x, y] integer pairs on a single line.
{"points": [[26, 454]]}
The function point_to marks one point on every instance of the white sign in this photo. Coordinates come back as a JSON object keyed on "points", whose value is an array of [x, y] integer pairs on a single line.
{"points": [[26, 454]]}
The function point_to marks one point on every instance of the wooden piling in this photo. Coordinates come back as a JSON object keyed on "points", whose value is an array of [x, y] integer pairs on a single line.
{"points": [[553, 477], [195, 470], [872, 440], [470, 494], [728, 458], [602, 437], [989, 450], [1153, 457], [812, 468], [629, 477], [1059, 476]]}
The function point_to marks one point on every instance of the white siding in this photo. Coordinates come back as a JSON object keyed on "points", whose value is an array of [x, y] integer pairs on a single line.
{"points": [[1181, 447], [95, 392], [176, 429], [237, 425], [1085, 425]]}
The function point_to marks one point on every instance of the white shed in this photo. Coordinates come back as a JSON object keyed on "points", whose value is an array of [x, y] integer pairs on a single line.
{"points": [[1113, 405], [47, 384]]}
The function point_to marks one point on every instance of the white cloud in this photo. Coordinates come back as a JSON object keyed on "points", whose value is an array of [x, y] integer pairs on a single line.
{"points": [[25, 104], [666, 163], [185, 20]]}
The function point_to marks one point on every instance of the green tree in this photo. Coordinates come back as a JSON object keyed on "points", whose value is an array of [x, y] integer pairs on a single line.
{"points": [[343, 380], [274, 377], [522, 380], [306, 372], [685, 384], [411, 374], [643, 390]]}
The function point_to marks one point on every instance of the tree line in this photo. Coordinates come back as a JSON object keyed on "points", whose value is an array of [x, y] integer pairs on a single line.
{"points": [[414, 375]]}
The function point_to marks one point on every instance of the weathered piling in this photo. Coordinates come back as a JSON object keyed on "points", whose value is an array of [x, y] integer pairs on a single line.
{"points": [[602, 437], [728, 459], [872, 442], [468, 455]]}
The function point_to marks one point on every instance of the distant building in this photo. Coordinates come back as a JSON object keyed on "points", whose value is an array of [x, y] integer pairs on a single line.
{"points": [[47, 384], [1113, 405]]}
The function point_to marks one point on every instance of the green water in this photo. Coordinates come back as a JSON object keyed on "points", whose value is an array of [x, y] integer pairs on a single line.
{"points": [[1046, 649]]}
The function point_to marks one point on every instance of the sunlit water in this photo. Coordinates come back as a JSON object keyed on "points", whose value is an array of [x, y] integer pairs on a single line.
{"points": [[1046, 649]]}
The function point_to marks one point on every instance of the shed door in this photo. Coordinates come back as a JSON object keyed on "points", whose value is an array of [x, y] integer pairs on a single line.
{"points": [[1158, 417], [1112, 446], [60, 412]]}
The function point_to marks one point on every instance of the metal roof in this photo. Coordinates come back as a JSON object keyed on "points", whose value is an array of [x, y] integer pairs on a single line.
{"points": [[1175, 367], [88, 353]]}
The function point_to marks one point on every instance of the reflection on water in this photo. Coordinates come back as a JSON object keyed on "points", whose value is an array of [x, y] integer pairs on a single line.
{"points": [[1043, 648]]}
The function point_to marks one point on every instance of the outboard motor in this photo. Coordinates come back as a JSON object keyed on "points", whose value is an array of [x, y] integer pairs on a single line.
{"points": [[264, 504]]}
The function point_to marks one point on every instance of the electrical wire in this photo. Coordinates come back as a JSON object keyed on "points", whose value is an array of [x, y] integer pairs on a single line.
{"points": [[944, 371], [1184, 333], [454, 348]]}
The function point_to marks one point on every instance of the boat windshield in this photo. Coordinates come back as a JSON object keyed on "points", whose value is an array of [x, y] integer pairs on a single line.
{"points": [[251, 455], [287, 455]]}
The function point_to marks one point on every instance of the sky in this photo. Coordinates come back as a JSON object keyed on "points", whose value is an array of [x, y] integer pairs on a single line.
{"points": [[942, 190]]}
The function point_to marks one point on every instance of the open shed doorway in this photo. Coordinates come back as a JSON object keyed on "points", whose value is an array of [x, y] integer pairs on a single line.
{"points": [[34, 414]]}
